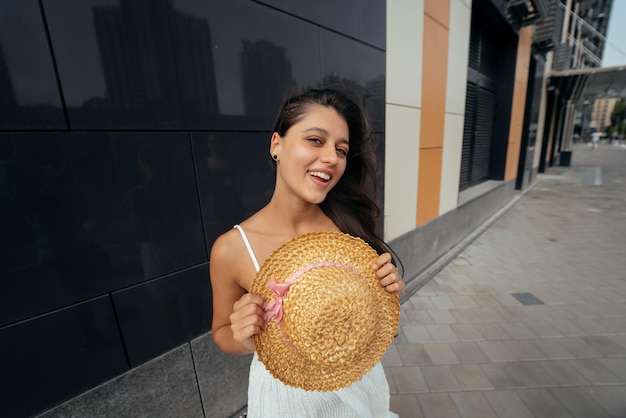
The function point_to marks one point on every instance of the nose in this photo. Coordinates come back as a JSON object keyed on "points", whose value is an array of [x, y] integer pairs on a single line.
{"points": [[329, 154]]}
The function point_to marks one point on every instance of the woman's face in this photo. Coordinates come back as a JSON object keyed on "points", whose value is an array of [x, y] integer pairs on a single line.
{"points": [[312, 155]]}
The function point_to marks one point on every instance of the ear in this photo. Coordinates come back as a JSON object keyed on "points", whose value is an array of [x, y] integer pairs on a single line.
{"points": [[275, 144]]}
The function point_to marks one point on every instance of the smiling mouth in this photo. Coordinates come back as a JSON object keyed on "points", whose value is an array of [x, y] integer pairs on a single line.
{"points": [[320, 175]]}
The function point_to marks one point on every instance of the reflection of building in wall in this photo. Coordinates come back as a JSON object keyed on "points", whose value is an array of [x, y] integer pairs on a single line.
{"points": [[266, 74], [601, 114], [145, 66], [7, 93]]}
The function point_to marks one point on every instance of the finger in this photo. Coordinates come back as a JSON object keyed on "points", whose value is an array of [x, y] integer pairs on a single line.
{"points": [[382, 260], [386, 270]]}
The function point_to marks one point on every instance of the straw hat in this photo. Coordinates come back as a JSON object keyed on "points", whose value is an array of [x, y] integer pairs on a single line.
{"points": [[330, 320]]}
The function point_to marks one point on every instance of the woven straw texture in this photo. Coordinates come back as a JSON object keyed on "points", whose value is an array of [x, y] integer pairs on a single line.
{"points": [[337, 323]]}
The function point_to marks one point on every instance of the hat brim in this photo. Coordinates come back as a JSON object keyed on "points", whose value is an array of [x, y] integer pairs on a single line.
{"points": [[273, 346]]}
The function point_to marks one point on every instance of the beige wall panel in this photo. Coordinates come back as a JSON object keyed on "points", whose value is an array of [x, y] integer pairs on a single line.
{"points": [[402, 126], [405, 27], [451, 163], [458, 50]]}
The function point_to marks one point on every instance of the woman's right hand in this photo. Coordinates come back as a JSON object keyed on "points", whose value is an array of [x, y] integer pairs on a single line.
{"points": [[247, 320]]}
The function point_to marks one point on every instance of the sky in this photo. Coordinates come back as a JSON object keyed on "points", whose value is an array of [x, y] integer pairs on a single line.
{"points": [[616, 36]]}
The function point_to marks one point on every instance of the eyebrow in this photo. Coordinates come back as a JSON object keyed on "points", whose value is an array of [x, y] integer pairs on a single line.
{"points": [[325, 133]]}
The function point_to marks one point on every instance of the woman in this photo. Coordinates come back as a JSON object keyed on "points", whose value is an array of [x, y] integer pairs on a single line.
{"points": [[322, 151]]}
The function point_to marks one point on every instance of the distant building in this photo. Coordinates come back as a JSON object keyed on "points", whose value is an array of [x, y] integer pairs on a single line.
{"points": [[601, 113]]}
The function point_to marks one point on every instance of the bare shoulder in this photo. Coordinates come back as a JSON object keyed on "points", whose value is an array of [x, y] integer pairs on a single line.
{"points": [[226, 252]]}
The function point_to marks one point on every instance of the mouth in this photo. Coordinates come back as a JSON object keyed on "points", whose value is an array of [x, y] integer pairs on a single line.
{"points": [[322, 176]]}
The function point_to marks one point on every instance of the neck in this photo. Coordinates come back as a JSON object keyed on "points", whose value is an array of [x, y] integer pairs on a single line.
{"points": [[296, 217]]}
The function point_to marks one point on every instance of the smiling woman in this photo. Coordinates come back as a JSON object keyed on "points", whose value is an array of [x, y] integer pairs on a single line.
{"points": [[322, 151]]}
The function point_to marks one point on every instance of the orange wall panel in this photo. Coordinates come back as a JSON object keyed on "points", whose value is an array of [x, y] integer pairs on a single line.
{"points": [[434, 78], [519, 101], [438, 10], [429, 184]]}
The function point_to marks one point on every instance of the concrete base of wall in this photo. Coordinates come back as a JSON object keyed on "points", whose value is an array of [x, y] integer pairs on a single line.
{"points": [[193, 380]]}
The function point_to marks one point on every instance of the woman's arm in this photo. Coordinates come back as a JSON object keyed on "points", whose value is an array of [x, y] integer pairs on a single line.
{"points": [[237, 315]]}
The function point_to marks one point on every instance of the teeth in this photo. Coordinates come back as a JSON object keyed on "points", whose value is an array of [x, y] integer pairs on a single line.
{"points": [[319, 174]]}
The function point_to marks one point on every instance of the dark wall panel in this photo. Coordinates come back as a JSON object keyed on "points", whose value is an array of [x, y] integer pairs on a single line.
{"points": [[56, 356], [358, 67], [29, 95], [83, 214], [164, 313]]}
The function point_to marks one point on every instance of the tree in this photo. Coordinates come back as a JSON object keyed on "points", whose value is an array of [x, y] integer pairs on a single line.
{"points": [[618, 117]]}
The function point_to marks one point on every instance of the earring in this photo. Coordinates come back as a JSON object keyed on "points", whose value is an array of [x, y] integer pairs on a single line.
{"points": [[275, 157]]}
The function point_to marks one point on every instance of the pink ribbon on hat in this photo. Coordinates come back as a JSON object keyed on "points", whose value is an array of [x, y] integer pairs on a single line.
{"points": [[274, 310]]}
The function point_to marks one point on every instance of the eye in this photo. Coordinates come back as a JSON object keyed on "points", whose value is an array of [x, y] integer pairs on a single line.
{"points": [[314, 140], [342, 151]]}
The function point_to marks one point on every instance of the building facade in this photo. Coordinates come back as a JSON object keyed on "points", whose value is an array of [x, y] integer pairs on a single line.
{"points": [[601, 113], [134, 132]]}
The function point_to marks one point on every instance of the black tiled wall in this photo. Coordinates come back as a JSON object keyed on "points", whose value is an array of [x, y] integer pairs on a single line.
{"points": [[132, 134]]}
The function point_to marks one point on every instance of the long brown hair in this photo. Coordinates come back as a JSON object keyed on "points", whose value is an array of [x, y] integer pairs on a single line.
{"points": [[351, 204]]}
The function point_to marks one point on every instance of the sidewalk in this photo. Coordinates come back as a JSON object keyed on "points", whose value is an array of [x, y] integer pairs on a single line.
{"points": [[468, 348]]}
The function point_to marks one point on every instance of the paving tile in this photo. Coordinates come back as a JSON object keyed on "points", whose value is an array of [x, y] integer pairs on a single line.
{"points": [[471, 377], [465, 315], [551, 348], [578, 348], [441, 316], [408, 380], [617, 366], [413, 355], [463, 301], [611, 398], [466, 332], [488, 314], [507, 404], [564, 373], [468, 352], [405, 406], [605, 345], [511, 313], [566, 327], [391, 357], [419, 302], [416, 334], [442, 333], [543, 329], [472, 405], [501, 375], [532, 374], [496, 351], [440, 378], [595, 372], [437, 405], [418, 317], [617, 325], [517, 330], [578, 403], [492, 331], [442, 302], [524, 350], [542, 404], [441, 354], [591, 326]]}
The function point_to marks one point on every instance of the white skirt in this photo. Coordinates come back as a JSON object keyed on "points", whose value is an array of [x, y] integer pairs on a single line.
{"points": [[269, 397]]}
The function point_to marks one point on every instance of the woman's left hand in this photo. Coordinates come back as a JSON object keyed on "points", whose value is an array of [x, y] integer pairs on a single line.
{"points": [[388, 274]]}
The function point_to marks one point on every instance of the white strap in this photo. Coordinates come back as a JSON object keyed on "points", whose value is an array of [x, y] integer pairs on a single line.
{"points": [[249, 247]]}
